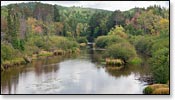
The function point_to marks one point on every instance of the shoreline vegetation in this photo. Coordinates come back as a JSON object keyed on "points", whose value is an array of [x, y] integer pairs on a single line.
{"points": [[28, 59], [157, 89], [33, 30]]}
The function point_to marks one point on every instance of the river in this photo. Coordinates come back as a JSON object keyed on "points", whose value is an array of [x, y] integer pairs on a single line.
{"points": [[75, 74]]}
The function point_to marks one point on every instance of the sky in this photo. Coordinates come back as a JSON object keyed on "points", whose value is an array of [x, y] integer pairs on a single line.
{"points": [[106, 5]]}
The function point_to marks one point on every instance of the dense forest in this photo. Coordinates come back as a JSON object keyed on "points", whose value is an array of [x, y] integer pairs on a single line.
{"points": [[31, 30]]}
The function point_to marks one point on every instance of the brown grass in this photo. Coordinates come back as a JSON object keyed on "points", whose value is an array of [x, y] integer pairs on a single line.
{"points": [[161, 91], [155, 86], [159, 88], [114, 61]]}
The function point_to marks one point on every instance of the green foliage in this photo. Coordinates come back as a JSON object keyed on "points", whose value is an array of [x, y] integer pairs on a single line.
{"points": [[55, 42], [124, 51], [136, 60], [119, 31], [144, 44], [8, 52], [82, 40], [160, 43], [44, 21], [18, 44], [98, 24], [56, 14], [148, 90], [104, 41], [157, 47], [160, 65], [130, 29]]}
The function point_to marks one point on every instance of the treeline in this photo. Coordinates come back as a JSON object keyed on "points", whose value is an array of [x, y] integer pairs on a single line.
{"points": [[28, 28], [145, 29]]}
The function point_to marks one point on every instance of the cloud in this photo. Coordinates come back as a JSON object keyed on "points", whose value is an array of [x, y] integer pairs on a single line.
{"points": [[107, 5]]}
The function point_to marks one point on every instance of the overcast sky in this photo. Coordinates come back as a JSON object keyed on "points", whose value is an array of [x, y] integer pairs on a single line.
{"points": [[107, 5]]}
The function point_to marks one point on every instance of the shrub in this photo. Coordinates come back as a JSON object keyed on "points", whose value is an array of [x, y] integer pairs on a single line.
{"points": [[160, 65], [160, 43], [63, 43], [119, 31], [148, 90], [82, 40], [50, 43], [8, 52], [104, 41], [136, 60], [144, 44], [124, 51]]}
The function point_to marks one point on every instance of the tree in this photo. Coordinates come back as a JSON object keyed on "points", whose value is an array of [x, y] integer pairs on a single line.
{"points": [[148, 21], [98, 24], [79, 29], [59, 28], [160, 65], [123, 50], [56, 14], [9, 23], [119, 31]]}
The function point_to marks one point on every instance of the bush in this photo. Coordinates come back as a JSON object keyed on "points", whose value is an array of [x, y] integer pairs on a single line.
{"points": [[124, 51], [119, 31], [136, 60], [8, 52], [18, 44], [104, 41], [160, 65], [144, 44], [157, 48], [51, 43], [82, 40], [148, 90], [160, 43]]}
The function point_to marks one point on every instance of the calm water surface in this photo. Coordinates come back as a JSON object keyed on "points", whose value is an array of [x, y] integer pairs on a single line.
{"points": [[82, 74]]}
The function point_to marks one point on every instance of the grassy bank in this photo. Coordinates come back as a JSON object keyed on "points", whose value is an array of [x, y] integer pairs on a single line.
{"points": [[27, 59], [36, 47], [157, 89]]}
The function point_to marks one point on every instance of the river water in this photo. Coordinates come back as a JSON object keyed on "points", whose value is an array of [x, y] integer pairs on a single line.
{"points": [[75, 74]]}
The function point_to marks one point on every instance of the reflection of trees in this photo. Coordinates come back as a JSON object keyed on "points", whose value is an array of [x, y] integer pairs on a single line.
{"points": [[10, 80], [142, 70], [96, 56], [47, 65], [127, 70]]}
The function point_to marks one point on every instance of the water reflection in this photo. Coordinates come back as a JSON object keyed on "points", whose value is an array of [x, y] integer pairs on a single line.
{"points": [[72, 74]]}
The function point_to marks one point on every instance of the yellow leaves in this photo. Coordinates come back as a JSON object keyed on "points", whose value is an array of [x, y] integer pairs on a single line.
{"points": [[118, 30], [31, 21], [164, 23]]}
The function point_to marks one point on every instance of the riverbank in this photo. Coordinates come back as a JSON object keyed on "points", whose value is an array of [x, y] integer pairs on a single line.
{"points": [[28, 59], [157, 89], [65, 73]]}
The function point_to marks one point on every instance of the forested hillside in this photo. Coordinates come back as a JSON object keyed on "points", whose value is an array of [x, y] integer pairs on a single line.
{"points": [[35, 29]]}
